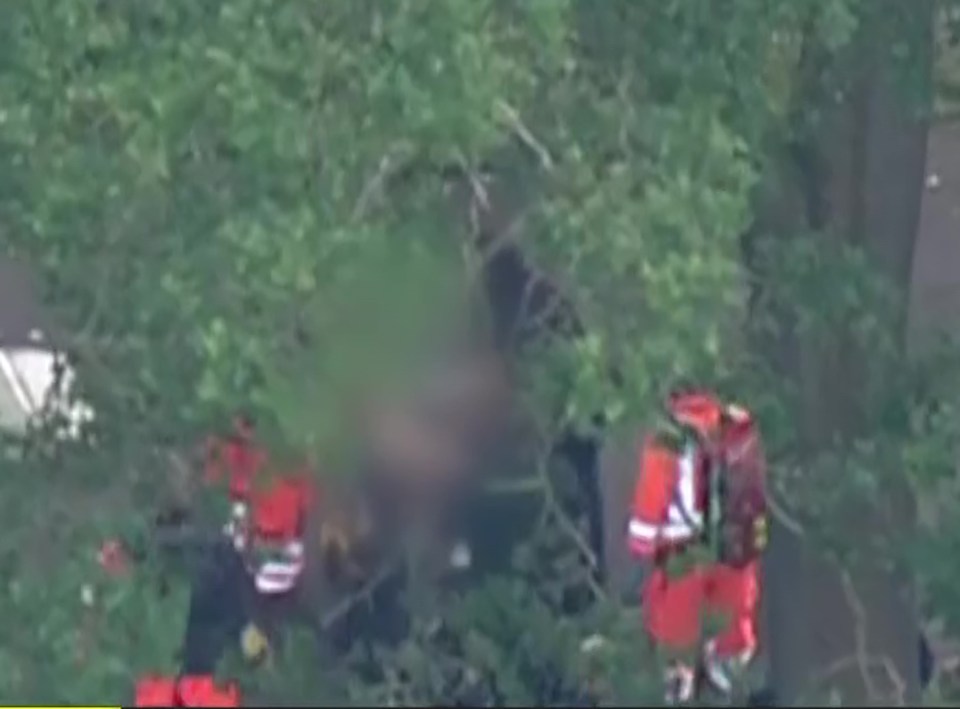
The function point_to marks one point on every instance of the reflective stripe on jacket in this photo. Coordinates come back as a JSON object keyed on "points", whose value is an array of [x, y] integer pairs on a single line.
{"points": [[668, 502]]}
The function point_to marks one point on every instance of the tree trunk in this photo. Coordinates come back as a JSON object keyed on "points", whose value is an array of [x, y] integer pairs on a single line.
{"points": [[860, 183], [617, 477]]}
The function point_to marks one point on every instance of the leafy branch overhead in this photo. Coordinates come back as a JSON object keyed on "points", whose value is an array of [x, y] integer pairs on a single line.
{"points": [[290, 207]]}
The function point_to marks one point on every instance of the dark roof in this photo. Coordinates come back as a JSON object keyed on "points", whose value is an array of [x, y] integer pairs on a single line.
{"points": [[20, 309]]}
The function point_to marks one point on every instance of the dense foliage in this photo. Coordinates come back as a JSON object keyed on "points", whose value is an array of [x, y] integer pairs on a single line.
{"points": [[261, 203]]}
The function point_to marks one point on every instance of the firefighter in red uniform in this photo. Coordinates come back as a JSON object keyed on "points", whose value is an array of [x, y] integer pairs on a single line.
{"points": [[187, 691], [261, 555], [267, 517], [697, 529]]}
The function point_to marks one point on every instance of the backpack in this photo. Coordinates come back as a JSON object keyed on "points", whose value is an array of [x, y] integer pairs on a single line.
{"points": [[736, 504], [739, 500]]}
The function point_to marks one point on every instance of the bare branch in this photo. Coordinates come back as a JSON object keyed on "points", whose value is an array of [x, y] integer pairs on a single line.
{"points": [[553, 307], [520, 486], [555, 509], [479, 199], [374, 185], [521, 130], [868, 662], [864, 660], [183, 477], [363, 594], [477, 187], [506, 235], [780, 514], [185, 536]]}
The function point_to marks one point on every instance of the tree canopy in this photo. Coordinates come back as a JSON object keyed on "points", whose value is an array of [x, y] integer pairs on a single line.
{"points": [[280, 206]]}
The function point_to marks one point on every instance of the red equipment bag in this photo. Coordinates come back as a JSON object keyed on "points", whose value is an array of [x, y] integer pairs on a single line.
{"points": [[153, 691]]}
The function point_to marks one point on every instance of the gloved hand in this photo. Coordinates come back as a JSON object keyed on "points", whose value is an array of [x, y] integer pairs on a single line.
{"points": [[254, 643]]}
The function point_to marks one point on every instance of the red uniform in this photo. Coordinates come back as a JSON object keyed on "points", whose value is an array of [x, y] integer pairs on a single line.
{"points": [[237, 458], [279, 515], [268, 517], [707, 490], [188, 691]]}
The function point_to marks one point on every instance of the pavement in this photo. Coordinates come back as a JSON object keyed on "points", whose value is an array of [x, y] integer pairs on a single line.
{"points": [[20, 315], [20, 310], [935, 290]]}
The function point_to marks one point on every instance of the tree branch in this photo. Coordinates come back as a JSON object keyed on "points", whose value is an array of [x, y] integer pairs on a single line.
{"points": [[364, 593], [374, 185], [783, 517], [861, 643], [552, 507], [520, 129]]}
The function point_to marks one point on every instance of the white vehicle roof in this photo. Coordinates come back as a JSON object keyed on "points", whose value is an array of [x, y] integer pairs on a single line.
{"points": [[12, 415], [27, 379], [27, 356]]}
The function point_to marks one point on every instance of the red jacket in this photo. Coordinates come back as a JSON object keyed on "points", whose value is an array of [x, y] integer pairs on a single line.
{"points": [[279, 509], [236, 458], [188, 691], [270, 511], [278, 520], [277, 506], [669, 500], [673, 491]]}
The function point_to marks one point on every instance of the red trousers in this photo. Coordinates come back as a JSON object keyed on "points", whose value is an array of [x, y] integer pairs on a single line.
{"points": [[674, 609]]}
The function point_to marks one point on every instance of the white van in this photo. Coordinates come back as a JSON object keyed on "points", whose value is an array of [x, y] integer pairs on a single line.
{"points": [[27, 358], [27, 387]]}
